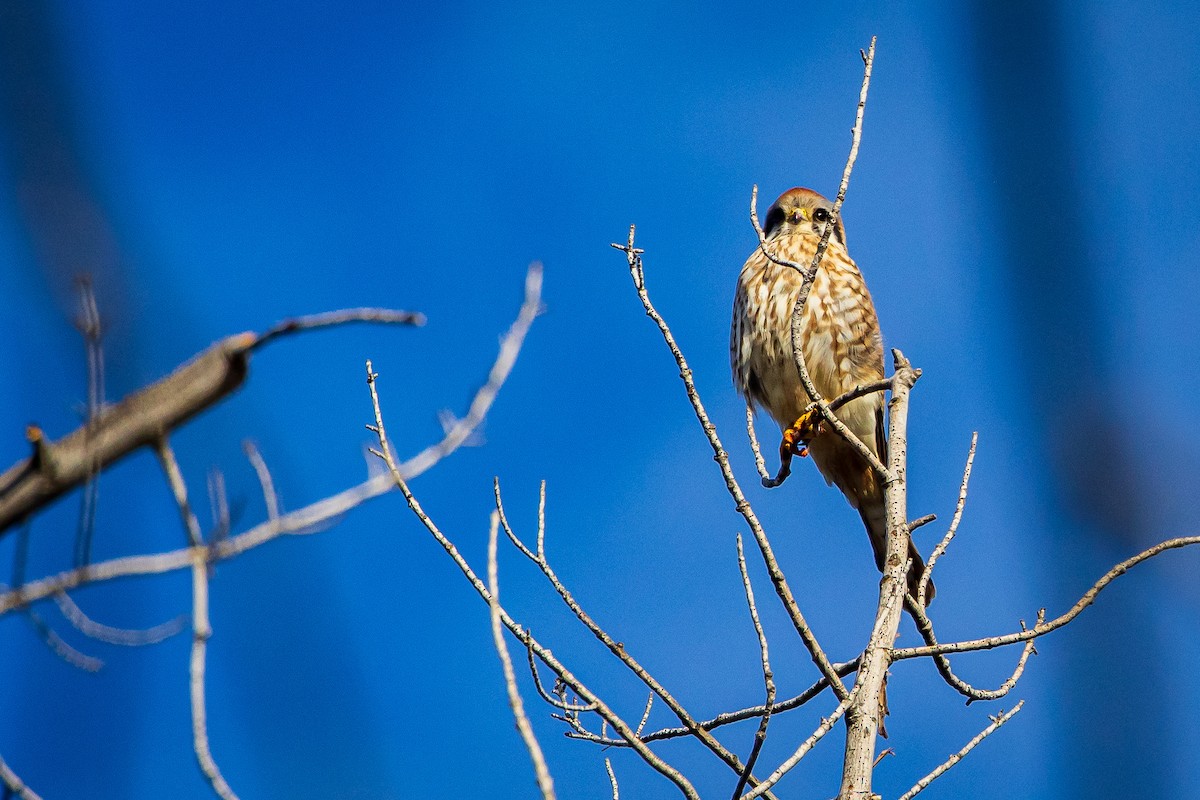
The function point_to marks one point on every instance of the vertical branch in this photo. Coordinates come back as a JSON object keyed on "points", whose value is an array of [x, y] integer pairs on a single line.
{"points": [[201, 631], [760, 736], [170, 467], [863, 715], [545, 782], [89, 325]]}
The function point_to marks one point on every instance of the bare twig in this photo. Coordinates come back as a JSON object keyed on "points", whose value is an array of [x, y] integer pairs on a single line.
{"points": [[953, 529], [120, 636], [809, 273], [617, 648], [782, 589], [760, 735], [540, 770], [385, 316], [60, 647], [547, 658], [646, 714], [612, 780], [309, 519], [264, 478], [954, 759], [510, 347], [759, 463], [925, 627], [556, 702], [201, 631], [734, 716], [170, 467], [1041, 629], [89, 325], [804, 748]]}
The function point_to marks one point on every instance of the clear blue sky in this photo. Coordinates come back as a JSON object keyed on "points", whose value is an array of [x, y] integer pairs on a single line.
{"points": [[1024, 209]]}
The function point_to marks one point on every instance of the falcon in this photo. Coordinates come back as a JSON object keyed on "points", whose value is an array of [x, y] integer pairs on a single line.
{"points": [[842, 349]]}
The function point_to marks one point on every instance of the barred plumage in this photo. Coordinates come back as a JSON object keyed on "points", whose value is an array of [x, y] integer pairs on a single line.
{"points": [[842, 349]]}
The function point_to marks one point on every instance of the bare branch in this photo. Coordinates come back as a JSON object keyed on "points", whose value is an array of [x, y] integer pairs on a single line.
{"points": [[760, 736], [201, 631], [60, 647], [547, 658], [142, 418], [782, 589], [759, 463], [309, 519], [925, 627], [804, 748], [120, 636], [958, 512], [385, 316], [14, 784], [623, 655], [1041, 629], [922, 784], [540, 770], [612, 780], [166, 457], [264, 478], [557, 703], [864, 717]]}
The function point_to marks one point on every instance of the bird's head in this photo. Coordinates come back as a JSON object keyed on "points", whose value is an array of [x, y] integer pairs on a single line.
{"points": [[802, 210]]}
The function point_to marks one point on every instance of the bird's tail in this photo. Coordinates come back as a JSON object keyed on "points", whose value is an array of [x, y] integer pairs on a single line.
{"points": [[874, 517]]}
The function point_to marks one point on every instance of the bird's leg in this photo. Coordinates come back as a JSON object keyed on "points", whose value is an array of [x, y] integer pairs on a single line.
{"points": [[795, 443], [801, 432]]}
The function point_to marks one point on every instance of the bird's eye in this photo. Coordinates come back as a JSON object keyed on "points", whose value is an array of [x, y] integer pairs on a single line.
{"points": [[821, 215]]}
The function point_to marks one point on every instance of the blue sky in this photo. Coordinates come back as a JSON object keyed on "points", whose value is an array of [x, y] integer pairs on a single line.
{"points": [[1023, 209]]}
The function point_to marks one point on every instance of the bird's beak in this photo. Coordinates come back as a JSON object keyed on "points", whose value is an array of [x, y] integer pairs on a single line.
{"points": [[800, 214]]}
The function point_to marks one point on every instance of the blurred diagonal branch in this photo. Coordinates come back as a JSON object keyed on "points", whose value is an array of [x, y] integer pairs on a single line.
{"points": [[142, 418]]}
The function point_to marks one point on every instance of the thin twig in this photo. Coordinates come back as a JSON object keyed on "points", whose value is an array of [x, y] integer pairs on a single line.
{"points": [[782, 589], [612, 780], [541, 771], [760, 735], [954, 759], [619, 650], [89, 325], [264, 478], [547, 658], [953, 529], [170, 467], [201, 631], [759, 463], [126, 637], [60, 647], [541, 690], [804, 748], [925, 627], [510, 347], [729, 717], [646, 714], [1041, 629], [386, 316]]}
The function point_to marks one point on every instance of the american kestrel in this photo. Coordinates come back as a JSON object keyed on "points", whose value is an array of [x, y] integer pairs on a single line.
{"points": [[842, 349]]}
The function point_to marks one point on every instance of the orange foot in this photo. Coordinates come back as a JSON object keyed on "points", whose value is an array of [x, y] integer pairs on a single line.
{"points": [[801, 432]]}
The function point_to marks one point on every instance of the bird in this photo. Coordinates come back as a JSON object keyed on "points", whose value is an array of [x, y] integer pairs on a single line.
{"points": [[842, 347]]}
